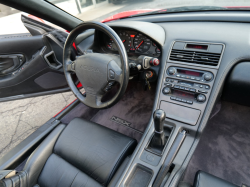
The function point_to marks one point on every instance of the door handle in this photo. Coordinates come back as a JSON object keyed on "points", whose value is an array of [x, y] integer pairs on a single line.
{"points": [[18, 60]]}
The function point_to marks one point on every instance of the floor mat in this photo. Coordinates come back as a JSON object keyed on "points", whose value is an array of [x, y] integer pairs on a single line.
{"points": [[224, 148], [129, 116]]}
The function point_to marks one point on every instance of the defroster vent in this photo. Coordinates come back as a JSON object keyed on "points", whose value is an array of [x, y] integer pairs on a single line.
{"points": [[210, 56]]}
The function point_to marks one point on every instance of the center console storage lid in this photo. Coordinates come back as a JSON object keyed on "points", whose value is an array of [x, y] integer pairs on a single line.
{"points": [[180, 113]]}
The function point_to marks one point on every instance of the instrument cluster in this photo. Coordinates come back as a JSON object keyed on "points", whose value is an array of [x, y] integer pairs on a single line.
{"points": [[134, 42]]}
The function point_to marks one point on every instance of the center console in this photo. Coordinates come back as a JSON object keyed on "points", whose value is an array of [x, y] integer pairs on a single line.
{"points": [[185, 87], [185, 92]]}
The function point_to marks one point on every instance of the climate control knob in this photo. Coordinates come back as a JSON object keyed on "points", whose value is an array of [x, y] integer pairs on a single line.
{"points": [[208, 76], [201, 98], [166, 90], [171, 71]]}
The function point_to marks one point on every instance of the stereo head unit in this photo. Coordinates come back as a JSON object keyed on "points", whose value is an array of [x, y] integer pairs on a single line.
{"points": [[185, 73]]}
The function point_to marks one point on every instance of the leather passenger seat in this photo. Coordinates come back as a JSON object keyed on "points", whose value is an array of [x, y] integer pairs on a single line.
{"points": [[82, 153]]}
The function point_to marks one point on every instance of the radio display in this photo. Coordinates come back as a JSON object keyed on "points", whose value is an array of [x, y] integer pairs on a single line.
{"points": [[191, 73], [194, 46], [181, 94]]}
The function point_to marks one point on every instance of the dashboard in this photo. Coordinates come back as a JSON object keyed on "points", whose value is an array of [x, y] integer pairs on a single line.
{"points": [[135, 43]]}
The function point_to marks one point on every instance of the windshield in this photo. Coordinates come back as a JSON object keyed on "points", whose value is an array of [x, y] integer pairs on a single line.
{"points": [[107, 10]]}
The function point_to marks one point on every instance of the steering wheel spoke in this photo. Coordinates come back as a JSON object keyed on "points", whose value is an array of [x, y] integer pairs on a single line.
{"points": [[70, 66], [92, 98]]}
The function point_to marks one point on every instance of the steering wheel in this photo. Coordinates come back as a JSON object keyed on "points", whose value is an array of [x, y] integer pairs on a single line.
{"points": [[96, 71]]}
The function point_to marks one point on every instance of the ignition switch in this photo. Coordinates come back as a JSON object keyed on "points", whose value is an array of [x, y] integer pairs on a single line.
{"points": [[149, 74]]}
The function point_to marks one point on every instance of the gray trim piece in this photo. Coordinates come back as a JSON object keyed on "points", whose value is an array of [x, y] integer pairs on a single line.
{"points": [[156, 32], [16, 97]]}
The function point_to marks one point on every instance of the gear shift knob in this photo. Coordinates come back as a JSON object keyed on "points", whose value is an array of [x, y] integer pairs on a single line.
{"points": [[159, 118]]}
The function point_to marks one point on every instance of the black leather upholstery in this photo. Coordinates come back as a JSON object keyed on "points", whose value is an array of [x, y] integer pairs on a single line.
{"points": [[85, 154], [203, 179]]}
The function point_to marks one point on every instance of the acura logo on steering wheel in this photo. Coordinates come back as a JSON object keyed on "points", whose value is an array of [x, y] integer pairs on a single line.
{"points": [[89, 68]]}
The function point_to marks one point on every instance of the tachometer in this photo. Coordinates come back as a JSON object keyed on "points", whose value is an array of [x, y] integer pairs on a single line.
{"points": [[141, 43], [110, 44], [126, 39]]}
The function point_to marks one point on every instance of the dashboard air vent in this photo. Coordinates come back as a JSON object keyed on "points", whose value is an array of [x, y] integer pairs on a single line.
{"points": [[196, 57]]}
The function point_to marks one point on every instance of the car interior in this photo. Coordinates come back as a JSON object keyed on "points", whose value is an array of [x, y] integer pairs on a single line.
{"points": [[162, 99]]}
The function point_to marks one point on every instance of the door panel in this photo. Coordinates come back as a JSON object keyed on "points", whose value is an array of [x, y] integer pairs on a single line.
{"points": [[28, 66]]}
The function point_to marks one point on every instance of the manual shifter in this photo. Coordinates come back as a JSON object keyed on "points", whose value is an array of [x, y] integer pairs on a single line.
{"points": [[159, 137], [158, 140]]}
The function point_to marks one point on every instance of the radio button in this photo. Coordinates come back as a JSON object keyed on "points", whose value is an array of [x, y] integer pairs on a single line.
{"points": [[173, 98], [176, 86], [182, 76], [168, 84], [208, 76], [187, 89], [193, 78], [198, 79], [178, 99], [202, 91], [192, 90], [171, 71], [189, 102], [166, 90], [182, 87], [184, 100], [178, 75], [207, 87], [201, 98]]}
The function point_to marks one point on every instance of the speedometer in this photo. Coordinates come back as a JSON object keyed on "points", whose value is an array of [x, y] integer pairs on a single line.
{"points": [[141, 43]]}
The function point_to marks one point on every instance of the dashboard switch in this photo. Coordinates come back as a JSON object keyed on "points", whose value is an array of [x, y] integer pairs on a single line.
{"points": [[111, 74]]}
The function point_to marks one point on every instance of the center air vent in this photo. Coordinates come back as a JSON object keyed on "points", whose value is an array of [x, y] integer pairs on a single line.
{"points": [[208, 54]]}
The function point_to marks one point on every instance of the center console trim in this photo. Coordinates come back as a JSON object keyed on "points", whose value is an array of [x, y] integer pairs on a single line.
{"points": [[178, 127]]}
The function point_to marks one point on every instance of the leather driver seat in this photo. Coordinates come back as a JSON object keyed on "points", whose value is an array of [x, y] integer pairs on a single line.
{"points": [[82, 153]]}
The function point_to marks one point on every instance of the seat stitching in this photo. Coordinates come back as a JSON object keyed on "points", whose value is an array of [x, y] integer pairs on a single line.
{"points": [[74, 179]]}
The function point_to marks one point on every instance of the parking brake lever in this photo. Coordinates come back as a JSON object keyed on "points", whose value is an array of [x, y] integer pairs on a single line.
{"points": [[169, 158]]}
